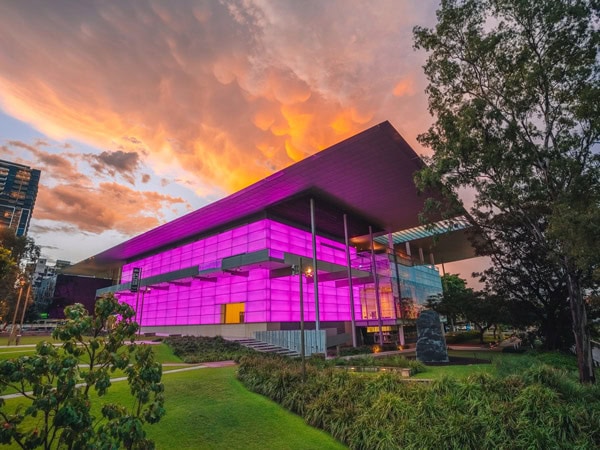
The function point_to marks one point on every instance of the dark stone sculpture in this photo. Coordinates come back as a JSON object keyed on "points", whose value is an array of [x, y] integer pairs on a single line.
{"points": [[431, 344]]}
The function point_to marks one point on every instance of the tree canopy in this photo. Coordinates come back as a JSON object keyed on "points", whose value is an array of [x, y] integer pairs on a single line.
{"points": [[56, 384], [15, 254], [515, 92]]}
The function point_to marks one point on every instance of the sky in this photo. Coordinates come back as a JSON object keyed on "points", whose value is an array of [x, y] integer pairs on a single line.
{"points": [[138, 112]]}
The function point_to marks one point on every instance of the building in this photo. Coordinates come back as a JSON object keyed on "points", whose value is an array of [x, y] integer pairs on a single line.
{"points": [[44, 281], [333, 242], [70, 289], [18, 192]]}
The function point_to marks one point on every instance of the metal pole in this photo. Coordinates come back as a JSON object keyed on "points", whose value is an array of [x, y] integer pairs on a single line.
{"points": [[376, 280], [302, 344], [137, 301], [399, 287], [353, 318], [13, 330], [315, 271], [142, 307], [23, 314]]}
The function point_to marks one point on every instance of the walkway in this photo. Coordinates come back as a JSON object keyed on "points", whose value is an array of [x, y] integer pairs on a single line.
{"points": [[207, 365]]}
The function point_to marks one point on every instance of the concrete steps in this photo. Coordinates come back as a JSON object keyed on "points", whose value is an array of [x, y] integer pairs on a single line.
{"points": [[264, 347]]}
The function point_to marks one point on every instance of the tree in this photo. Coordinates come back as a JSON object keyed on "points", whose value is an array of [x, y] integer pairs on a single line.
{"points": [[515, 92], [482, 309], [450, 302], [528, 271], [57, 384], [15, 253]]}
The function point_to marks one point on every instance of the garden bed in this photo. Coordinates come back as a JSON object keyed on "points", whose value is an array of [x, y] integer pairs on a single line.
{"points": [[460, 361], [404, 371]]}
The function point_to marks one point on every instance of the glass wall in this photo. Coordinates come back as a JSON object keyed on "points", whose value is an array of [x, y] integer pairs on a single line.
{"points": [[199, 300]]}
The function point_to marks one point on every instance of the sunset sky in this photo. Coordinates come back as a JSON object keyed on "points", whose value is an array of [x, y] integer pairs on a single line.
{"points": [[138, 112]]}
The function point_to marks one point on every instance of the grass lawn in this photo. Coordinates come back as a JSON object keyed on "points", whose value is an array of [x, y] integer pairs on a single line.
{"points": [[210, 409], [162, 352], [26, 340], [436, 372], [463, 371]]}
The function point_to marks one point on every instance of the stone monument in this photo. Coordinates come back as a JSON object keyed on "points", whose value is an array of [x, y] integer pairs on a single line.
{"points": [[431, 344]]}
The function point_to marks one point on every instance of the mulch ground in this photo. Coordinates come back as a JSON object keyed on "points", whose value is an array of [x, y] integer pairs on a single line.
{"points": [[460, 361]]}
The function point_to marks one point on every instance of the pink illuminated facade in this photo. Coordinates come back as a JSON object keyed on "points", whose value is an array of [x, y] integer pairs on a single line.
{"points": [[260, 294], [232, 267]]}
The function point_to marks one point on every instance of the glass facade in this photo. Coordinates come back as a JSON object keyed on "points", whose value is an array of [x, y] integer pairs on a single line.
{"points": [[256, 293], [265, 298]]}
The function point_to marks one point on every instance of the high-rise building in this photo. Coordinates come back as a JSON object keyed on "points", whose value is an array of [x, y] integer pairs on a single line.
{"points": [[18, 191]]}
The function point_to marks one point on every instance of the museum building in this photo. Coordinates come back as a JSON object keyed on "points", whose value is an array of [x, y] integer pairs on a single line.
{"points": [[333, 242]]}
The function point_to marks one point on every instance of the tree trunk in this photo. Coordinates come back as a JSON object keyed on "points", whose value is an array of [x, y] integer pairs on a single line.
{"points": [[583, 344]]}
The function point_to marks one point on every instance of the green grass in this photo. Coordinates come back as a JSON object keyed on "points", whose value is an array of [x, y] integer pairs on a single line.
{"points": [[26, 340], [463, 371], [437, 372], [210, 409], [164, 354]]}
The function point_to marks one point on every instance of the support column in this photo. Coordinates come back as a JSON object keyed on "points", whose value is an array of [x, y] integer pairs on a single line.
{"points": [[315, 269], [353, 318], [302, 340], [376, 280], [398, 286]]}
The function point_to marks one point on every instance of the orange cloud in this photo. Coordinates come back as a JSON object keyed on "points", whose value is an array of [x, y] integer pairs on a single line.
{"points": [[225, 91], [111, 207], [405, 87]]}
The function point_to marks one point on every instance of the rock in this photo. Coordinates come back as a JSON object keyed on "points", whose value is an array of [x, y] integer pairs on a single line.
{"points": [[431, 344]]}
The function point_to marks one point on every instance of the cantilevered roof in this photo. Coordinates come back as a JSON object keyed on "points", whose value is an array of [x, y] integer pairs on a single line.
{"points": [[368, 176]]}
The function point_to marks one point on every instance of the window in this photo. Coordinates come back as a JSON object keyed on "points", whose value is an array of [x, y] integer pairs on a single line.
{"points": [[233, 312]]}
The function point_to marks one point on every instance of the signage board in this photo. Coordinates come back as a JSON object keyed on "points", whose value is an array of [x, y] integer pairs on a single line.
{"points": [[135, 279]]}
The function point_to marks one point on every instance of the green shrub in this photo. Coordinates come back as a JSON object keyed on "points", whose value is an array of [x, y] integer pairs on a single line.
{"points": [[458, 338], [385, 361], [536, 406], [197, 349], [360, 350]]}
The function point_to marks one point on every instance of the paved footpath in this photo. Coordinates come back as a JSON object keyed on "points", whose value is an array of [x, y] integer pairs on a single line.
{"points": [[184, 369]]}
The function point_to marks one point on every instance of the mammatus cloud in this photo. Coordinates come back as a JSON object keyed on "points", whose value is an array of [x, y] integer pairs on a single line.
{"points": [[123, 163], [228, 90]]}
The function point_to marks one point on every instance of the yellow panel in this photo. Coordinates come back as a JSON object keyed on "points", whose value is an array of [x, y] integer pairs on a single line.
{"points": [[234, 312]]}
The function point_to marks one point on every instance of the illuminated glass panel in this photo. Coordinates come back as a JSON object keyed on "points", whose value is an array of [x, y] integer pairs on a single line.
{"points": [[206, 299]]}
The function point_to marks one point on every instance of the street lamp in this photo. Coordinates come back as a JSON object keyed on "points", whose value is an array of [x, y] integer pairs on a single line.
{"points": [[13, 331], [308, 273]]}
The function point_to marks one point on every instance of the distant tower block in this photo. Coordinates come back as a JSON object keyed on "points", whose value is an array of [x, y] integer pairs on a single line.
{"points": [[18, 192]]}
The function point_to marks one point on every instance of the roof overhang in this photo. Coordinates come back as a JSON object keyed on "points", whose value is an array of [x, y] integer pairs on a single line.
{"points": [[368, 177]]}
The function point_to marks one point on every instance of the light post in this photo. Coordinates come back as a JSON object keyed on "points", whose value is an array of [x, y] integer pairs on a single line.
{"points": [[298, 270], [25, 303], [144, 290], [13, 331]]}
